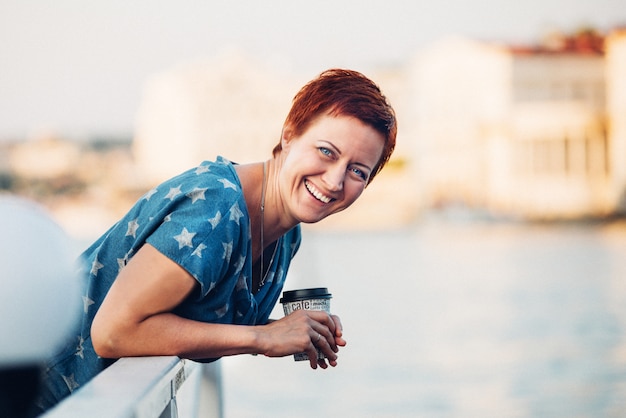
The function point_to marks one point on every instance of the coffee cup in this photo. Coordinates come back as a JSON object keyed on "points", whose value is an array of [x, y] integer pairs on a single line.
{"points": [[315, 299]]}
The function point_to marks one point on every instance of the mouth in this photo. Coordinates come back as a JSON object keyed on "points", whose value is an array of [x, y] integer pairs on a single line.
{"points": [[317, 194]]}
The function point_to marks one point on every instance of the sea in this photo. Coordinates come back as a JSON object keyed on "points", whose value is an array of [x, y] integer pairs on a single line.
{"points": [[455, 318]]}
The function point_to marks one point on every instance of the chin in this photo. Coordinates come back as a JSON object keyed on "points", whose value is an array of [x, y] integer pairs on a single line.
{"points": [[316, 219], [312, 220]]}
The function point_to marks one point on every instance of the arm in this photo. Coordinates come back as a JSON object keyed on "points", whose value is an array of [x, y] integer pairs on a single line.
{"points": [[135, 319]]}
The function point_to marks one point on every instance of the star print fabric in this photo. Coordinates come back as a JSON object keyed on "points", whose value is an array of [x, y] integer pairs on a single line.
{"points": [[199, 220]]}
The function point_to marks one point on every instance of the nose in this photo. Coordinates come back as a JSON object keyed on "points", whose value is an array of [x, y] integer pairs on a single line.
{"points": [[333, 177]]}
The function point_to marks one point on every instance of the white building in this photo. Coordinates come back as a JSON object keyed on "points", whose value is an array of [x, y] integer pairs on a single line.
{"points": [[521, 132], [535, 133], [228, 106]]}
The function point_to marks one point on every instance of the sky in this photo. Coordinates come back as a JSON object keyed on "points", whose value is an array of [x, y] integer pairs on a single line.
{"points": [[77, 68]]}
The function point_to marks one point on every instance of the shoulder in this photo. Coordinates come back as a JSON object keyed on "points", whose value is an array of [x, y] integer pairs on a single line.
{"points": [[210, 181]]}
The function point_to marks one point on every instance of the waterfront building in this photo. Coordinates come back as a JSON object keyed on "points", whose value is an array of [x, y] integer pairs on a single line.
{"points": [[531, 132], [230, 105]]}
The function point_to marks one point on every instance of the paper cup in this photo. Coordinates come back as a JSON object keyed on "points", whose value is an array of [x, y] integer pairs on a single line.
{"points": [[316, 299]]}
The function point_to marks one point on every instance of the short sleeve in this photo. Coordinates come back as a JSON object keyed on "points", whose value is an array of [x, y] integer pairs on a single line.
{"points": [[205, 229]]}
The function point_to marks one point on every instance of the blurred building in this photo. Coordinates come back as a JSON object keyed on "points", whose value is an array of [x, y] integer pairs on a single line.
{"points": [[46, 156], [87, 185], [528, 132], [229, 106], [532, 132], [616, 105]]}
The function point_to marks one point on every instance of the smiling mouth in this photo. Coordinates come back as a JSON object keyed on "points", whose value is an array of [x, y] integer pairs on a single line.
{"points": [[316, 193]]}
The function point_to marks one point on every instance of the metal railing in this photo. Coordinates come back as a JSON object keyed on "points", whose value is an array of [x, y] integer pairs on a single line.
{"points": [[148, 387]]}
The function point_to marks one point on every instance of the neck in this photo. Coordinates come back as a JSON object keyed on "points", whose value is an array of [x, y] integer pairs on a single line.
{"points": [[251, 178], [262, 206]]}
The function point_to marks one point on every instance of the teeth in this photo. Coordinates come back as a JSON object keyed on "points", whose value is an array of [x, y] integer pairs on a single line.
{"points": [[318, 195]]}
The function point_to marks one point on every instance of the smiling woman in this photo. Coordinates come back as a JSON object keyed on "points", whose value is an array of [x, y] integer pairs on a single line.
{"points": [[196, 266], [327, 167]]}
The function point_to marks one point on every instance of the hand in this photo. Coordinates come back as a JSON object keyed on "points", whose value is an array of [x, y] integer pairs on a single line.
{"points": [[338, 339], [304, 332]]}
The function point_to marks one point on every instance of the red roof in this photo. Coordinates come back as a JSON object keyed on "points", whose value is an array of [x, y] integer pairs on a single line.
{"points": [[585, 42]]}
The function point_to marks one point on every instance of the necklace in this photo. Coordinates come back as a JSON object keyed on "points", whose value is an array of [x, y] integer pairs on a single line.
{"points": [[261, 275]]}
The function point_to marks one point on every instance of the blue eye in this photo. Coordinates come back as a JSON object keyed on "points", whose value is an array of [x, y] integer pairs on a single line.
{"points": [[326, 151], [359, 173]]}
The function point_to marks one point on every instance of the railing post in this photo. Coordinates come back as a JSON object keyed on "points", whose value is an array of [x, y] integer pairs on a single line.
{"points": [[171, 410], [211, 399]]}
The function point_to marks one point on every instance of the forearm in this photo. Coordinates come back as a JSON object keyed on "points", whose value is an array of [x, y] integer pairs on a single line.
{"points": [[169, 334]]}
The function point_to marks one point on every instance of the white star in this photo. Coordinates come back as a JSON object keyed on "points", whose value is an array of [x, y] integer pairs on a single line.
{"points": [[184, 238], [87, 303], [241, 283], [235, 213], [132, 228], [202, 169], [167, 218], [196, 194], [95, 266], [80, 348], [214, 221], [174, 191], [228, 249], [228, 184], [198, 250], [148, 195], [121, 262], [240, 264], [221, 311], [70, 382]]}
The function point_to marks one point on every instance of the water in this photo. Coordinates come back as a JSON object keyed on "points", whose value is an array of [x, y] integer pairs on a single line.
{"points": [[456, 320]]}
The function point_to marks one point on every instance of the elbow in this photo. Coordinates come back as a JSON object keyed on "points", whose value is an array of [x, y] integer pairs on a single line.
{"points": [[104, 348], [104, 341]]}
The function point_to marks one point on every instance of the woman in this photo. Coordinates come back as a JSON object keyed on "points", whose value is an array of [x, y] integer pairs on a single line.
{"points": [[196, 266]]}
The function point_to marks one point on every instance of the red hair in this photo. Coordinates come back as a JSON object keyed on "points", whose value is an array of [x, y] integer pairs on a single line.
{"points": [[340, 92]]}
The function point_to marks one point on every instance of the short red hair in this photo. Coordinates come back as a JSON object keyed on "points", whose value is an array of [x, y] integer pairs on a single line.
{"points": [[347, 93]]}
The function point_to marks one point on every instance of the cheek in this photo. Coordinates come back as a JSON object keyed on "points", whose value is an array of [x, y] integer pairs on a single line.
{"points": [[353, 191]]}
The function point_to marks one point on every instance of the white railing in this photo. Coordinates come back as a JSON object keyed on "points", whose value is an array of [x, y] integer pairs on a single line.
{"points": [[148, 387]]}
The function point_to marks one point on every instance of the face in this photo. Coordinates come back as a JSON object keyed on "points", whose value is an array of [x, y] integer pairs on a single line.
{"points": [[326, 169]]}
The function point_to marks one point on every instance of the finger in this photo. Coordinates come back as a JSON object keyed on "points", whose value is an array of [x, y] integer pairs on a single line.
{"points": [[322, 342], [340, 342], [333, 363], [312, 355], [323, 318], [322, 363], [338, 325], [311, 350], [338, 331], [324, 334]]}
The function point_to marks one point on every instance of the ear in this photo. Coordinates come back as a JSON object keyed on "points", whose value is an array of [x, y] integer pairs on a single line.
{"points": [[286, 137]]}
